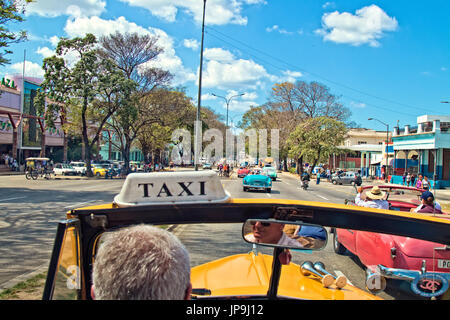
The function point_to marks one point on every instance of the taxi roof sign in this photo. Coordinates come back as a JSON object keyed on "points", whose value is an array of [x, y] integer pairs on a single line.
{"points": [[171, 187]]}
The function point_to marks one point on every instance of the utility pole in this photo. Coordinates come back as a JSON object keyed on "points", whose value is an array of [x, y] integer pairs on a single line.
{"points": [[198, 143], [387, 148]]}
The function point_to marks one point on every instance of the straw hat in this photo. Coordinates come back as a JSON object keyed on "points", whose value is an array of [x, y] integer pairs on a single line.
{"points": [[375, 193]]}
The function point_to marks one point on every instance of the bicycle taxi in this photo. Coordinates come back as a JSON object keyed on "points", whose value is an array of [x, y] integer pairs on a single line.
{"points": [[233, 268], [38, 167]]}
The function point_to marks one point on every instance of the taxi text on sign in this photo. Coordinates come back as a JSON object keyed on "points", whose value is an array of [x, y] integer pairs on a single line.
{"points": [[171, 187]]}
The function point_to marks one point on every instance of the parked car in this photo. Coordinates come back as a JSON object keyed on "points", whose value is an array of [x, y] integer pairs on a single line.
{"points": [[270, 172], [257, 181], [99, 170], [349, 177], [395, 256], [79, 166], [207, 166], [64, 170], [242, 172]]}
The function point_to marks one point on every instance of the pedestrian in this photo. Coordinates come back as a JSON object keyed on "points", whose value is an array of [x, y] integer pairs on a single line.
{"points": [[413, 179], [318, 177], [404, 178], [419, 182], [425, 183], [408, 179]]}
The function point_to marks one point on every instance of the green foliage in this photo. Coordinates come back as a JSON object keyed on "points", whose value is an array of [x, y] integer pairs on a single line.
{"points": [[10, 11], [86, 92], [316, 139]]}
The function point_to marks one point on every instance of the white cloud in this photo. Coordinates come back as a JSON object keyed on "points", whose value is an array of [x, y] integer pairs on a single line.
{"points": [[366, 26], [45, 52], [218, 54], [291, 76], [328, 4], [359, 105], [219, 12], [231, 74], [224, 71], [277, 28], [54, 8], [168, 60], [31, 69], [191, 44]]}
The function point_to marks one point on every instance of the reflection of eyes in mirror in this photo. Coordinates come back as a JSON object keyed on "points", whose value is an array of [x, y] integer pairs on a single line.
{"points": [[296, 236]]}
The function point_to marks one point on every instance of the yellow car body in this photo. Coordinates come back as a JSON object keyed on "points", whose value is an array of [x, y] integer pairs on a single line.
{"points": [[98, 170], [249, 275]]}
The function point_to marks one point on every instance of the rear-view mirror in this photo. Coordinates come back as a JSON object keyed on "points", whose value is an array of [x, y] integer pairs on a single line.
{"points": [[293, 235]]}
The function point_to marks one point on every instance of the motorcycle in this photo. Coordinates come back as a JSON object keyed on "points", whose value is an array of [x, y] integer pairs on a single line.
{"points": [[304, 184], [111, 173]]}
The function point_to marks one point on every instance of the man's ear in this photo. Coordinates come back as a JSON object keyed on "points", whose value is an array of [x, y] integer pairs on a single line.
{"points": [[188, 292], [92, 292]]}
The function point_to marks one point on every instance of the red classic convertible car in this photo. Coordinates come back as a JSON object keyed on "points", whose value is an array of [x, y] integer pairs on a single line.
{"points": [[398, 257], [242, 172]]}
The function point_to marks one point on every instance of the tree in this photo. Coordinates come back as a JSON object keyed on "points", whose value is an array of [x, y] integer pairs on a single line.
{"points": [[132, 54], [10, 11], [316, 139], [92, 89], [291, 104]]}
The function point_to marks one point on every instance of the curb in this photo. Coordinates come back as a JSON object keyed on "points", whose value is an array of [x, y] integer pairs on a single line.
{"points": [[24, 277]]}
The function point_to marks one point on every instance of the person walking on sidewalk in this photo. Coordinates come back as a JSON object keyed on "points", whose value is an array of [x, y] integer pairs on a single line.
{"points": [[408, 179], [419, 182], [413, 179]]}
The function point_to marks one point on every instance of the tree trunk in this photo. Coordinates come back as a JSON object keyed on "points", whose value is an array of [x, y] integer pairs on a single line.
{"points": [[300, 165]]}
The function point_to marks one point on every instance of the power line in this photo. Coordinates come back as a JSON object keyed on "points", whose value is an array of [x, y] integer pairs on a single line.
{"points": [[306, 71]]}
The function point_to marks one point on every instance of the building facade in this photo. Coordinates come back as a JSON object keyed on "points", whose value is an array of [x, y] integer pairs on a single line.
{"points": [[424, 149], [366, 152], [22, 132]]}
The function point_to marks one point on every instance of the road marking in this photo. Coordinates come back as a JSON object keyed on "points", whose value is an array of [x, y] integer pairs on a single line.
{"points": [[269, 195], [12, 198], [338, 273], [321, 197], [77, 204]]}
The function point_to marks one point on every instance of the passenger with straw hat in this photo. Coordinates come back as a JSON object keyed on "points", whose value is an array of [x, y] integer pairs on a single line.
{"points": [[373, 199]]}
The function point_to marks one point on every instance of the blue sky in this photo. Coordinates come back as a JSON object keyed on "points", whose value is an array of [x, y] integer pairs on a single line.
{"points": [[388, 60]]}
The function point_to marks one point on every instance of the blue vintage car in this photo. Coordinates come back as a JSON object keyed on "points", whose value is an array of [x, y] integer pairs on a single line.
{"points": [[258, 181]]}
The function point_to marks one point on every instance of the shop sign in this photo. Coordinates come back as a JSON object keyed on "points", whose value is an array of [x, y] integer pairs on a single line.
{"points": [[5, 125], [9, 83]]}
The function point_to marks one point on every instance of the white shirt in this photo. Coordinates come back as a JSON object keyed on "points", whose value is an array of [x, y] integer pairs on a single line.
{"points": [[284, 241], [379, 204]]}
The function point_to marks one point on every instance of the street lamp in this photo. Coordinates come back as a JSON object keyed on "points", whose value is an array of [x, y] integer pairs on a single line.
{"points": [[227, 101], [387, 147]]}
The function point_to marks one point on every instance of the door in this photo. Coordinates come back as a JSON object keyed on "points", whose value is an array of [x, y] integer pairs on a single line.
{"points": [[446, 165]]}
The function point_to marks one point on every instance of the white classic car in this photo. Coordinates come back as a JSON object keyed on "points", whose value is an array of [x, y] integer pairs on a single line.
{"points": [[64, 169]]}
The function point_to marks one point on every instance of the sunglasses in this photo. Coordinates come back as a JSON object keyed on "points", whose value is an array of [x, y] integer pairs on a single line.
{"points": [[264, 224]]}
